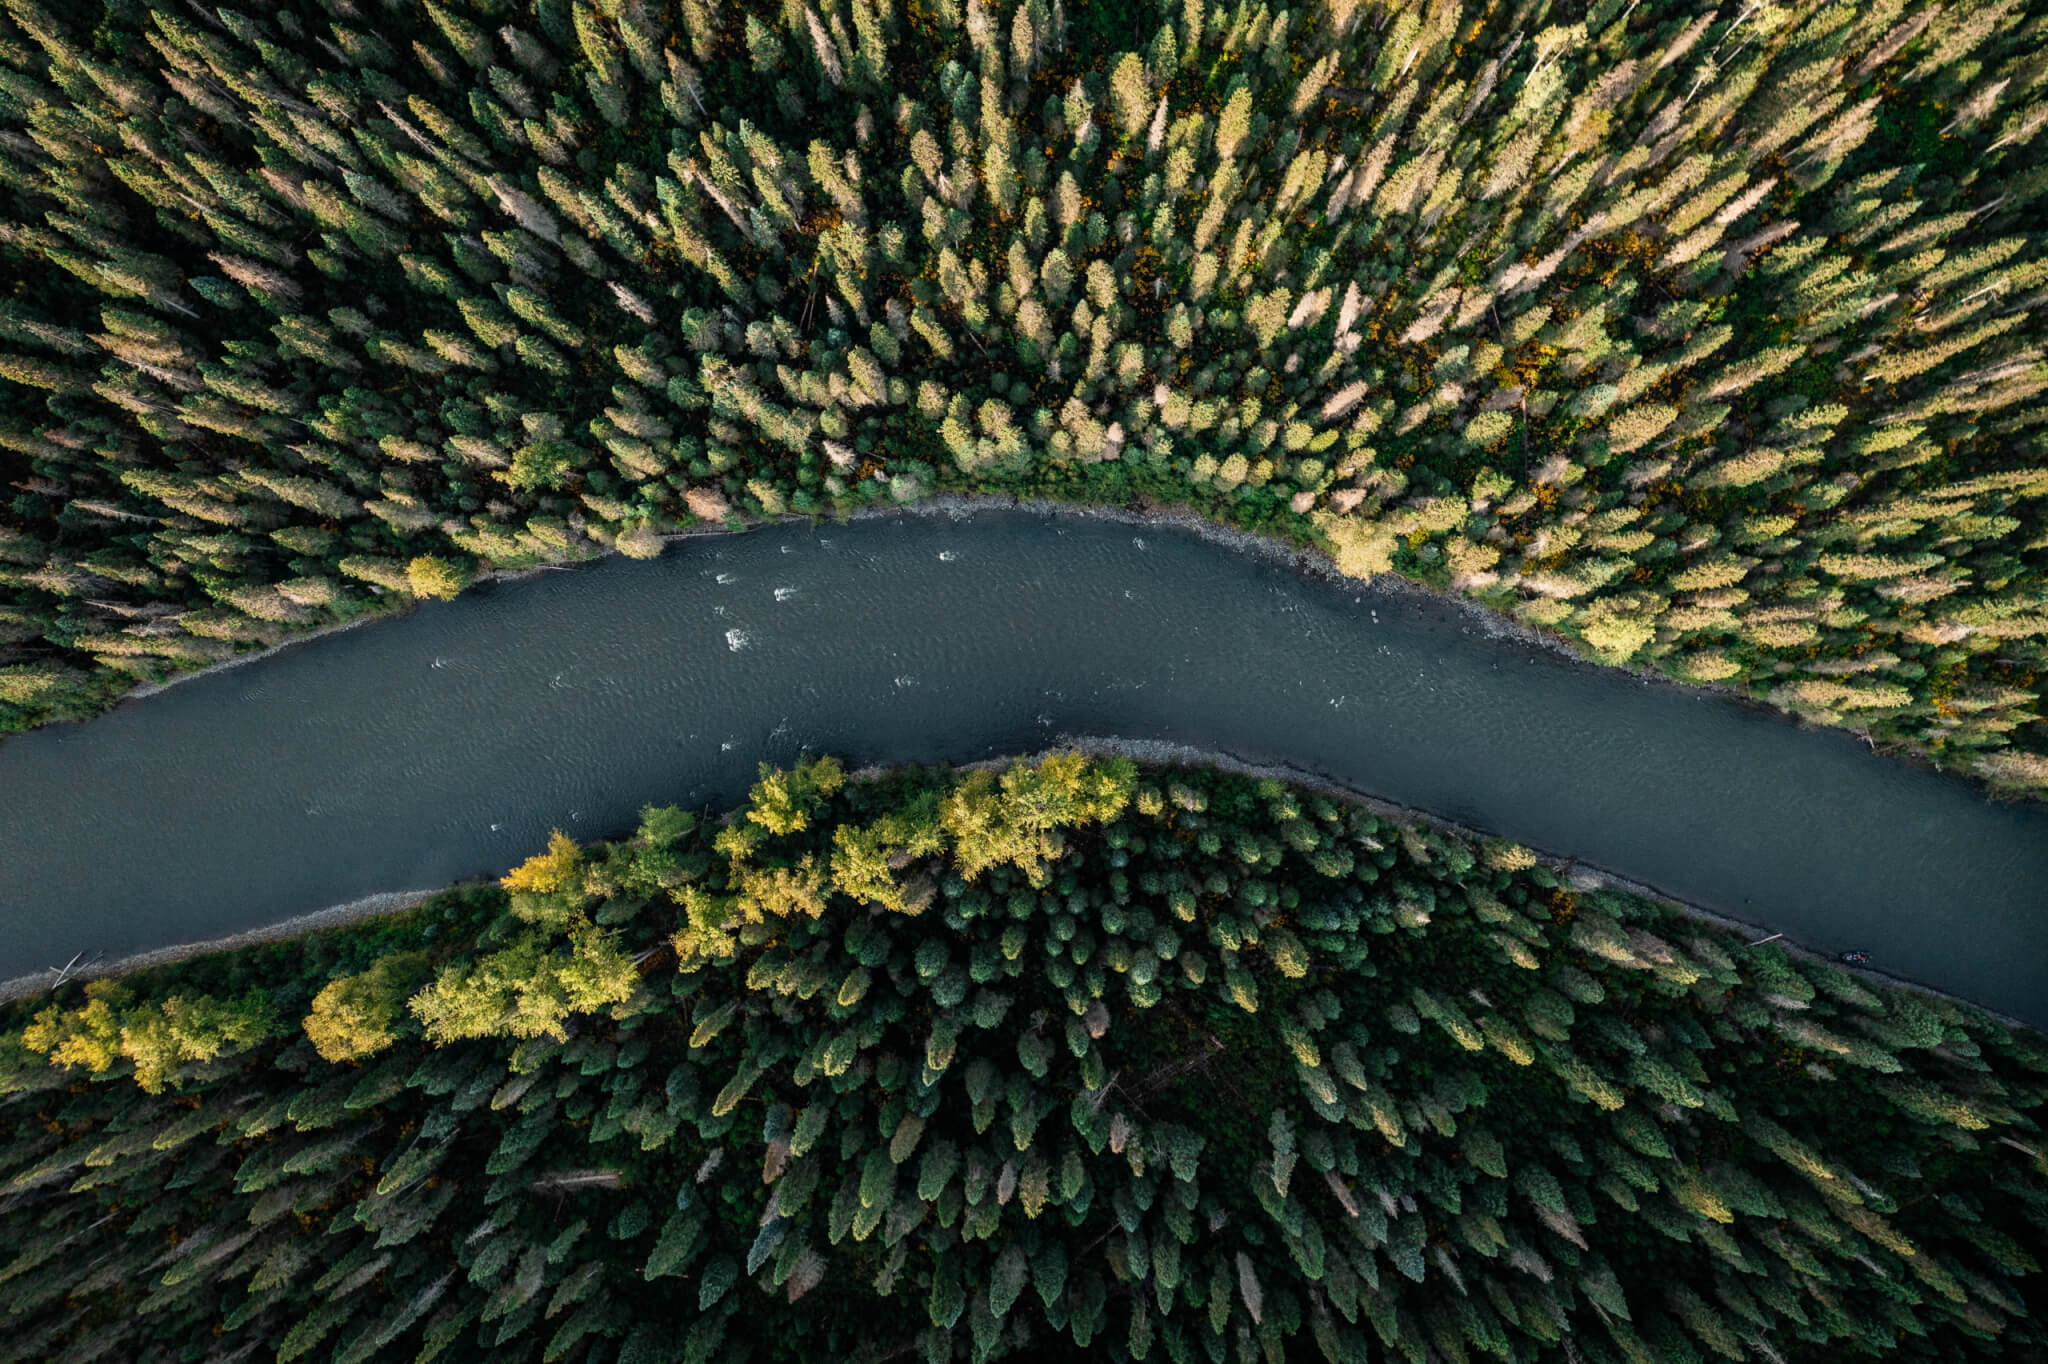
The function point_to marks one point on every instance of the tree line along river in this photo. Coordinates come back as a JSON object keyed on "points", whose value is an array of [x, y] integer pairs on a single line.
{"points": [[447, 743]]}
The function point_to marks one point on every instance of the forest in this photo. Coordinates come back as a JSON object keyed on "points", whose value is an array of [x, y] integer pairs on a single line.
{"points": [[1061, 1059], [1707, 336]]}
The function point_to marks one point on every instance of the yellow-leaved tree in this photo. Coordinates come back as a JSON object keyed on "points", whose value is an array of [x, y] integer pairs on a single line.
{"points": [[357, 1016]]}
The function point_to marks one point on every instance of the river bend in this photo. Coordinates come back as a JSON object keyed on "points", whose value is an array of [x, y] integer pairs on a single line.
{"points": [[422, 750]]}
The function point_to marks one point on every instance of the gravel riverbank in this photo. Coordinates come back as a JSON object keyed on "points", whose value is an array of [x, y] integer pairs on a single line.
{"points": [[334, 916]]}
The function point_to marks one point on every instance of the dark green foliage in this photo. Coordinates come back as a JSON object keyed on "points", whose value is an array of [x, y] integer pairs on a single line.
{"points": [[1707, 336], [1706, 1151]]}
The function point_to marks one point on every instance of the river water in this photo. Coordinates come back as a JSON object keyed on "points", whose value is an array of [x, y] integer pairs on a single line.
{"points": [[419, 751]]}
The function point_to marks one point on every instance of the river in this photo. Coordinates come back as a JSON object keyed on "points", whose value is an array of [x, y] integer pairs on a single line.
{"points": [[426, 749]]}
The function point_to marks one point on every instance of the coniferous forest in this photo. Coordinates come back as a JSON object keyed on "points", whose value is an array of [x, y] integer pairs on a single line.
{"points": [[1707, 336], [1072, 1060]]}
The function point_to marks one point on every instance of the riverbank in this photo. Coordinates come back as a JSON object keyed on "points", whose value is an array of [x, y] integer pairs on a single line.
{"points": [[957, 505], [1315, 562], [143, 691], [1309, 560], [1488, 620], [334, 916], [1147, 753], [1580, 875]]}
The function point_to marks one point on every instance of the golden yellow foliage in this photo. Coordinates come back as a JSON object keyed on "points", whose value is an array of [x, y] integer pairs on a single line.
{"points": [[547, 871]]}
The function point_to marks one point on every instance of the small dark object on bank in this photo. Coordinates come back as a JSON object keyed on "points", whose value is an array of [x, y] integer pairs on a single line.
{"points": [[1856, 958]]}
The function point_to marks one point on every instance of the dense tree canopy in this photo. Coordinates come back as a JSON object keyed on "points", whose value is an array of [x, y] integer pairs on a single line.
{"points": [[1071, 1060], [1706, 335]]}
